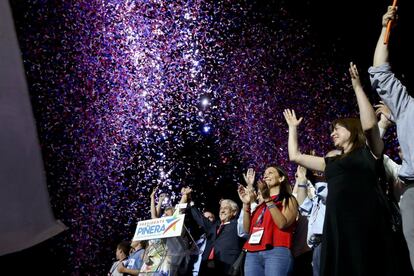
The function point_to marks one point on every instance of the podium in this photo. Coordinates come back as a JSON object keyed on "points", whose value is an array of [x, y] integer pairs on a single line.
{"points": [[170, 245]]}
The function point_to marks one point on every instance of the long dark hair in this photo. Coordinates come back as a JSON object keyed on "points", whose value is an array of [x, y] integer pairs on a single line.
{"points": [[285, 190], [353, 125]]}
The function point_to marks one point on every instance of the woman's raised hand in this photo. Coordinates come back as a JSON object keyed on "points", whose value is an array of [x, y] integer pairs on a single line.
{"points": [[290, 117], [249, 177], [246, 194]]}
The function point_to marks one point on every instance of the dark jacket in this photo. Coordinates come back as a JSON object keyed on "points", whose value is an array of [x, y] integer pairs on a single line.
{"points": [[227, 244]]}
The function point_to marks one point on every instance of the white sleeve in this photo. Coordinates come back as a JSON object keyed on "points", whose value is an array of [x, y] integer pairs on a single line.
{"points": [[391, 168], [306, 207], [240, 229]]}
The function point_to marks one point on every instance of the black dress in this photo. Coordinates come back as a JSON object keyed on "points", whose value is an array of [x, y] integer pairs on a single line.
{"points": [[357, 235]]}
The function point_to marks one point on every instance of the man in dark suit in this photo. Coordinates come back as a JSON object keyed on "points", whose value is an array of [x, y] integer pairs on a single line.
{"points": [[223, 242]]}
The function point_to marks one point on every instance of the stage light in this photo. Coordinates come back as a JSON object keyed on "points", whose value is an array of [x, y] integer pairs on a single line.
{"points": [[206, 129], [205, 102]]}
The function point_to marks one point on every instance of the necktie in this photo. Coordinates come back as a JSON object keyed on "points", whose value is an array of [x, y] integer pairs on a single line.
{"points": [[219, 229]]}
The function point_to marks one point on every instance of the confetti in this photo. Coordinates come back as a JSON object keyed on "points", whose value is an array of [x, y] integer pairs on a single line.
{"points": [[132, 94]]}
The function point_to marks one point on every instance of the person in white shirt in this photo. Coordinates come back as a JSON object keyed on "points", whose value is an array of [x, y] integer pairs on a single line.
{"points": [[122, 252]]}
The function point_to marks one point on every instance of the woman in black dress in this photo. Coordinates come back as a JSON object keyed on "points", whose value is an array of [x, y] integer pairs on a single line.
{"points": [[357, 235]]}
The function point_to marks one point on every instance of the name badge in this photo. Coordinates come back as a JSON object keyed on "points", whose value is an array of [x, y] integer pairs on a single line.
{"points": [[256, 235]]}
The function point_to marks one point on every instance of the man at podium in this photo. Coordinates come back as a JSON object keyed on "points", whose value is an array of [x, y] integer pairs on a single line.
{"points": [[224, 244]]}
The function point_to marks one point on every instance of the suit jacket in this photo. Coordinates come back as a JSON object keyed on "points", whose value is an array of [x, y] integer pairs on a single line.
{"points": [[227, 244]]}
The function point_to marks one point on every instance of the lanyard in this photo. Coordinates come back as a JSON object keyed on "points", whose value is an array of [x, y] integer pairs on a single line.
{"points": [[260, 218]]}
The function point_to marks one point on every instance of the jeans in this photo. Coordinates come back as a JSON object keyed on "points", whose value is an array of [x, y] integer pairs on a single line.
{"points": [[407, 207], [274, 262], [316, 260]]}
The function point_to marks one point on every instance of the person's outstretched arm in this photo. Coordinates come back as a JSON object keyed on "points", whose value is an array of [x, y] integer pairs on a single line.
{"points": [[154, 213], [366, 114], [313, 163], [381, 50], [161, 198], [389, 88], [249, 177], [246, 196], [386, 118], [301, 185], [198, 217]]}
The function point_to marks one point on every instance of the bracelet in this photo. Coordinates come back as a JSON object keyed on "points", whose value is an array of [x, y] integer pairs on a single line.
{"points": [[302, 185], [247, 210], [271, 206]]}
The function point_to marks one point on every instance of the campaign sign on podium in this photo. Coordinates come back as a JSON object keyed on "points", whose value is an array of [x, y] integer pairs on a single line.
{"points": [[160, 228], [170, 244]]}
